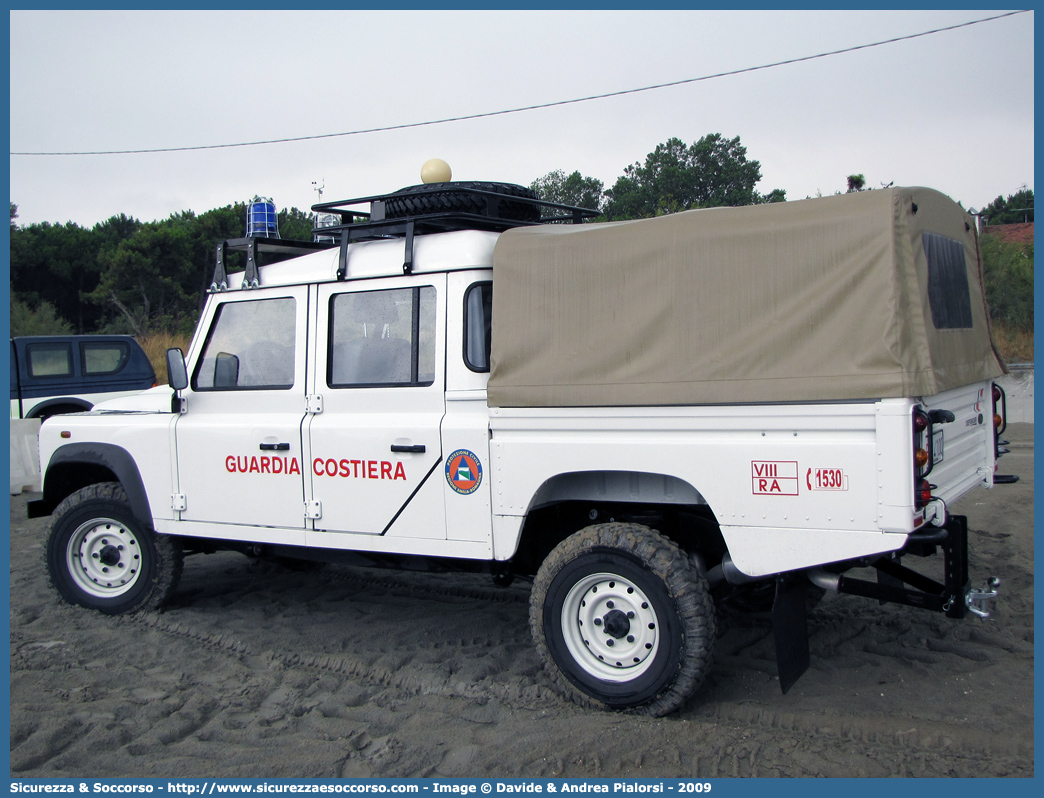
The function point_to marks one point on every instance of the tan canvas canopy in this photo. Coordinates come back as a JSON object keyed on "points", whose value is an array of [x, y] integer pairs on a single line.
{"points": [[858, 296]]}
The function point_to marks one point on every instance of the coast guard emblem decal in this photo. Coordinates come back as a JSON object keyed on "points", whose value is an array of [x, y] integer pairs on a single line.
{"points": [[463, 471]]}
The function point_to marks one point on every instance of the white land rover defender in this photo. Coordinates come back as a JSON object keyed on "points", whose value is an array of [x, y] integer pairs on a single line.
{"points": [[647, 418]]}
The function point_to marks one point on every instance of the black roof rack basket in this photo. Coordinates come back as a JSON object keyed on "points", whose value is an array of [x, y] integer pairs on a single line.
{"points": [[441, 208]]}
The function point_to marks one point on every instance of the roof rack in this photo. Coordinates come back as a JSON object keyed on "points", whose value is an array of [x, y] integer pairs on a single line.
{"points": [[487, 212], [484, 210]]}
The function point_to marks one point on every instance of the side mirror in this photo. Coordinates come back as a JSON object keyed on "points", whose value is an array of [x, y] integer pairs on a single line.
{"points": [[177, 373]]}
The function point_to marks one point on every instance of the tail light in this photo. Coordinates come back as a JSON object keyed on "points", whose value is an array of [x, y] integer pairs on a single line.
{"points": [[1000, 409], [924, 493], [922, 457]]}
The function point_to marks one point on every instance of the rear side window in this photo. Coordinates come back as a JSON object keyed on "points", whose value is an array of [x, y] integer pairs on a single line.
{"points": [[103, 358], [948, 293], [478, 314], [382, 338], [49, 360]]}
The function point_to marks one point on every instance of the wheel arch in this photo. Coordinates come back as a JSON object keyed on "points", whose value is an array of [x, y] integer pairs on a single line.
{"points": [[566, 503], [77, 465], [640, 487], [54, 407]]}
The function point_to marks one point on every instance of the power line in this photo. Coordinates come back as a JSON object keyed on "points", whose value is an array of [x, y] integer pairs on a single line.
{"points": [[488, 114]]}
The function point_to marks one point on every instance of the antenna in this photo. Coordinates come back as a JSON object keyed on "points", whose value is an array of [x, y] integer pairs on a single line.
{"points": [[323, 219]]}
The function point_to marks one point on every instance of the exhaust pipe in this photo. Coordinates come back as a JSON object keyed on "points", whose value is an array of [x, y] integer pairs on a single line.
{"points": [[728, 572], [824, 579]]}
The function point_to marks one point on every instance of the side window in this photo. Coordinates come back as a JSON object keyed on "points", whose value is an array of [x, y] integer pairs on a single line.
{"points": [[103, 358], [251, 346], [382, 338], [478, 313], [49, 360], [948, 294]]}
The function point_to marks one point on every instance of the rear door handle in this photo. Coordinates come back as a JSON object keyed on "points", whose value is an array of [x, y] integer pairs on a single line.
{"points": [[417, 448], [275, 447]]}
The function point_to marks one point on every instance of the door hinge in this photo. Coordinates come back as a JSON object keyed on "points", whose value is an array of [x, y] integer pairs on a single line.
{"points": [[177, 502], [314, 403], [313, 510]]}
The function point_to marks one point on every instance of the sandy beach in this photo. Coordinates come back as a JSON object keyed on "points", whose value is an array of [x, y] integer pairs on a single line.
{"points": [[266, 668]]}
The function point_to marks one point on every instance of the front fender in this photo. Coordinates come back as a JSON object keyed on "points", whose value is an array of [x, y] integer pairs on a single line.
{"points": [[77, 465]]}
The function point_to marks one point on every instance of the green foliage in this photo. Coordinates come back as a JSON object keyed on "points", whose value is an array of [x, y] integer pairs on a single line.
{"points": [[145, 277], [122, 275], [1016, 208], [855, 183], [57, 264], [295, 224], [39, 321], [1008, 279], [574, 189], [711, 172]]}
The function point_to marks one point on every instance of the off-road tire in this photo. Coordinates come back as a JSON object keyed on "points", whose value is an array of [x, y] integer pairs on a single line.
{"points": [[658, 657], [101, 556], [446, 198]]}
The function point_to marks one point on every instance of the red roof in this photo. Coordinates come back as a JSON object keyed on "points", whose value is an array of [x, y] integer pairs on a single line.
{"points": [[1019, 234]]}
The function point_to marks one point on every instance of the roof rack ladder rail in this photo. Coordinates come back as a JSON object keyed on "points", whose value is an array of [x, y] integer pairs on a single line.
{"points": [[342, 256], [220, 281], [251, 277], [407, 265]]}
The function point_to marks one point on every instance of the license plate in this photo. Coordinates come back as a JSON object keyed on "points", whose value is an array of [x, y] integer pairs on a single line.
{"points": [[937, 447]]}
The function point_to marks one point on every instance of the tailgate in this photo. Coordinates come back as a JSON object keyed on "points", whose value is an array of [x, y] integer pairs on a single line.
{"points": [[963, 450]]}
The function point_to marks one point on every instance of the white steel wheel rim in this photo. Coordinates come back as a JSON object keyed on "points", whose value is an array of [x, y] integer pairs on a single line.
{"points": [[104, 558], [610, 628]]}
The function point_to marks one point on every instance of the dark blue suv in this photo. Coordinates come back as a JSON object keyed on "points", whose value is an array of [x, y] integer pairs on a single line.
{"points": [[52, 374]]}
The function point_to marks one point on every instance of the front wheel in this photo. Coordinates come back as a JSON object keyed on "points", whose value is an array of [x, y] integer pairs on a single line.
{"points": [[622, 620], [100, 556]]}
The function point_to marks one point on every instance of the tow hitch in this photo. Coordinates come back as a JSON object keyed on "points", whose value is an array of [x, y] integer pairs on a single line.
{"points": [[976, 598], [901, 585]]}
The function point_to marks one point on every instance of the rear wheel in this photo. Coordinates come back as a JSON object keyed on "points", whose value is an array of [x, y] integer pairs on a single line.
{"points": [[622, 620], [99, 555]]}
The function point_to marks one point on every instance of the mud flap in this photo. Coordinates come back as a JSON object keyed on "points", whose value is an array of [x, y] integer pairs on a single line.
{"points": [[790, 628]]}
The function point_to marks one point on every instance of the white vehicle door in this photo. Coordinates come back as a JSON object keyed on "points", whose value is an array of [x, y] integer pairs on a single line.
{"points": [[239, 447], [373, 465]]}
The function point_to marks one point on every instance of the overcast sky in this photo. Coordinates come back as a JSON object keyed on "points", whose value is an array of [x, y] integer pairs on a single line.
{"points": [[953, 111]]}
